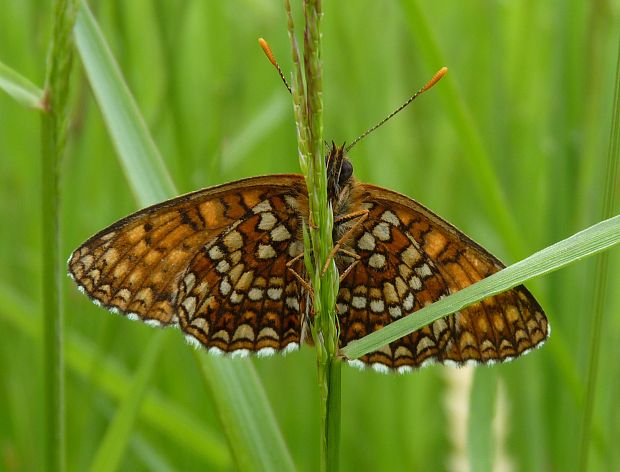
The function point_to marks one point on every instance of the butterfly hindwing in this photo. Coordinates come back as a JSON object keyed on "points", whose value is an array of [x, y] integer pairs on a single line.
{"points": [[237, 293]]}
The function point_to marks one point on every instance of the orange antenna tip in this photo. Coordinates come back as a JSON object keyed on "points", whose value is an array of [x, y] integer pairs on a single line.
{"points": [[267, 50], [440, 73], [436, 78]]}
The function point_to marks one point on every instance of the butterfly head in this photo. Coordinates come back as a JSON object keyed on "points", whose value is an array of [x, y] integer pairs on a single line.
{"points": [[339, 172]]}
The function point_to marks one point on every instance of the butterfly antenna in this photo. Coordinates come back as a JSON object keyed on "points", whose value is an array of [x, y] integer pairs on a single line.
{"points": [[272, 59], [440, 73]]}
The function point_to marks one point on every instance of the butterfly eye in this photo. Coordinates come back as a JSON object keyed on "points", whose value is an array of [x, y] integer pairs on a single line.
{"points": [[346, 171]]}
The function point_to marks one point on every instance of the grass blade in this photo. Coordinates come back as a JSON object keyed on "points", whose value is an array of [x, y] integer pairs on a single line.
{"points": [[20, 88], [151, 182], [177, 424], [110, 452], [590, 241], [143, 165], [486, 181], [250, 426]]}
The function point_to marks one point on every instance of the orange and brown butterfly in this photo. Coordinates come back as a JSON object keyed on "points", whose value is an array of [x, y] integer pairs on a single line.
{"points": [[221, 264]]}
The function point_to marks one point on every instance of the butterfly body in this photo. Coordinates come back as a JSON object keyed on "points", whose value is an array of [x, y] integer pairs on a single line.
{"points": [[214, 262]]}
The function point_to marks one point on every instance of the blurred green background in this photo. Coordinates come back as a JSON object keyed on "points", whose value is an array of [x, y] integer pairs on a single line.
{"points": [[524, 113]]}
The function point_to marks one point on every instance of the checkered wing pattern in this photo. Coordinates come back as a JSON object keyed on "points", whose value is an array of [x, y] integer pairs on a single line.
{"points": [[212, 262], [410, 258]]}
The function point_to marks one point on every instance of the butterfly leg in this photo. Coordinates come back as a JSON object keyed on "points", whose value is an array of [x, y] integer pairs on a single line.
{"points": [[289, 265], [348, 269], [361, 216]]}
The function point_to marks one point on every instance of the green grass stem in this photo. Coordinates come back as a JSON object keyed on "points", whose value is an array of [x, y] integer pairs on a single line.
{"points": [[53, 139], [610, 195], [307, 93]]}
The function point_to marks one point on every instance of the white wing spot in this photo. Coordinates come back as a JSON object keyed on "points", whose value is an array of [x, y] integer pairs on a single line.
{"points": [[376, 261], [225, 286], [430, 361], [382, 231], [215, 253], [424, 270], [233, 240], [377, 306], [280, 233], [424, 343], [192, 341], [267, 221], [265, 251], [236, 297], [410, 256], [295, 248], [415, 283], [395, 311], [190, 305], [290, 348], [357, 364], [408, 302], [223, 266], [366, 242], [266, 352], [216, 351], [239, 353], [291, 202], [262, 206], [390, 218], [292, 303], [274, 293], [381, 368], [189, 281], [255, 294], [359, 302]]}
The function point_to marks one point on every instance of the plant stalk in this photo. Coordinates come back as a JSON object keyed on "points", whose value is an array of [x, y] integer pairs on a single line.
{"points": [[53, 138], [307, 89], [601, 276]]}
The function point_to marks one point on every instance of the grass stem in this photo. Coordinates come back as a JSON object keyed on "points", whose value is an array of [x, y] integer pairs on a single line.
{"points": [[53, 138]]}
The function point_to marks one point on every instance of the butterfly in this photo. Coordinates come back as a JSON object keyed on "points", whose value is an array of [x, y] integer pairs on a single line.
{"points": [[223, 264]]}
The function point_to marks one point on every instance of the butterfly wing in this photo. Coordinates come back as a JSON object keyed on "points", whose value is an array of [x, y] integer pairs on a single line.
{"points": [[212, 262], [410, 258]]}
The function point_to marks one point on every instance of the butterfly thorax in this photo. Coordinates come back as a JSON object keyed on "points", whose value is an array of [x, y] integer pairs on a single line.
{"points": [[339, 176]]}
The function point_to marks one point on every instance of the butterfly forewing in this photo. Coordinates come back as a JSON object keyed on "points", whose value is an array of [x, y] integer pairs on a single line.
{"points": [[213, 262], [410, 258]]}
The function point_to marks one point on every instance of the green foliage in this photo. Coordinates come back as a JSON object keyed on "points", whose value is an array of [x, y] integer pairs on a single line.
{"points": [[511, 147]]}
